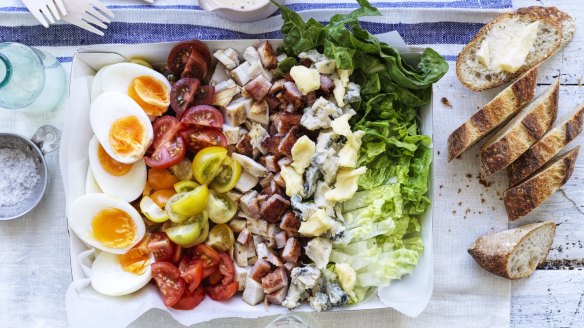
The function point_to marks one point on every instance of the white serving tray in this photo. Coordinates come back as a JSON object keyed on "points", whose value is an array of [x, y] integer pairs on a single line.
{"points": [[87, 308]]}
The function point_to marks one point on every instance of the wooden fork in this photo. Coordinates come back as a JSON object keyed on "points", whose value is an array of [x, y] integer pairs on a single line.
{"points": [[46, 9]]}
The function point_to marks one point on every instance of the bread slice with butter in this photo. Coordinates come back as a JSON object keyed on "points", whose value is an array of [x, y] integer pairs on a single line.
{"points": [[514, 253], [531, 193], [512, 44], [546, 148], [520, 133], [496, 112]]}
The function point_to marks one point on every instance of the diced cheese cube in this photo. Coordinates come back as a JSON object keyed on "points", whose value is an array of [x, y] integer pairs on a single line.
{"points": [[339, 92], [307, 79], [294, 183], [315, 225], [344, 76], [346, 185], [302, 153], [327, 66], [347, 276], [349, 153], [341, 125]]}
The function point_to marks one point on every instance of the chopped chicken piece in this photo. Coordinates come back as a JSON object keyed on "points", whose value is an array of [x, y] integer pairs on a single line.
{"points": [[267, 55], [253, 293]]}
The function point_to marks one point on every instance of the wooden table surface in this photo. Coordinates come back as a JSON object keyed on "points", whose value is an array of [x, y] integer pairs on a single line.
{"points": [[554, 295]]}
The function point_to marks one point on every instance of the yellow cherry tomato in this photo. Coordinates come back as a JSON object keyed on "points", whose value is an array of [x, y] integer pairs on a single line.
{"points": [[220, 208], [207, 163], [140, 61], [221, 237], [192, 203], [227, 177], [187, 232], [185, 186]]}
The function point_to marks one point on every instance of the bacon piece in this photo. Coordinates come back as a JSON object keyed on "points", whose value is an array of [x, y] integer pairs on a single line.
{"points": [[258, 87], [244, 146], [305, 62], [259, 270], [290, 222], [278, 296], [288, 141], [284, 121], [292, 94], [277, 86], [270, 162], [267, 180], [244, 236], [271, 143], [275, 281], [281, 239], [272, 101], [310, 98], [292, 250], [274, 207], [326, 85], [267, 55]]}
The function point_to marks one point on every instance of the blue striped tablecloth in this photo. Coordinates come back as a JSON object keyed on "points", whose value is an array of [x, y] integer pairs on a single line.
{"points": [[34, 261]]}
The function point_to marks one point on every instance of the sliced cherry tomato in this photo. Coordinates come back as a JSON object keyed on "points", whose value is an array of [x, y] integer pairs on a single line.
{"points": [[226, 268], [191, 203], [209, 257], [183, 94], [180, 56], [192, 272], [160, 197], [197, 138], [203, 115], [187, 232], [205, 95], [161, 179], [168, 147], [161, 246], [190, 300], [178, 254], [221, 209], [196, 66], [213, 279], [228, 177], [207, 163], [221, 237], [222, 292], [169, 281]]}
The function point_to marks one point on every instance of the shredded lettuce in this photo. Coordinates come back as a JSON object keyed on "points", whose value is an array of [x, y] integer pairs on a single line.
{"points": [[381, 220]]}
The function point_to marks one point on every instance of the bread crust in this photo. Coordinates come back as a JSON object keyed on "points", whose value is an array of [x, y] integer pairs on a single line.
{"points": [[550, 15], [546, 148], [493, 114], [500, 153], [528, 195], [493, 252]]}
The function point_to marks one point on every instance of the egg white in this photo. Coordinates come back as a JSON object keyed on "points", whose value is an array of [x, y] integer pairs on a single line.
{"points": [[109, 107], [109, 278], [127, 187], [97, 84], [118, 77], [84, 209], [91, 185]]}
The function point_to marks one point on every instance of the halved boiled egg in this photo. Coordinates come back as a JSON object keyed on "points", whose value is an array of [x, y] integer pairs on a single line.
{"points": [[97, 84], [150, 89], [106, 223], [125, 181], [91, 185], [121, 126], [116, 275]]}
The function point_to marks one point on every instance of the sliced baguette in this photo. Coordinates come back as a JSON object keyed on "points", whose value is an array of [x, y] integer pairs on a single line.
{"points": [[514, 253], [528, 195], [520, 133], [494, 113], [556, 29], [546, 148]]}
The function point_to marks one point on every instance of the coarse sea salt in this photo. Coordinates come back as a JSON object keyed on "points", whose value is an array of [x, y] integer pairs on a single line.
{"points": [[18, 176]]}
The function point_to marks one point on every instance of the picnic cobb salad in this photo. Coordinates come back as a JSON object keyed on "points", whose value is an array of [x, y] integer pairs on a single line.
{"points": [[280, 175]]}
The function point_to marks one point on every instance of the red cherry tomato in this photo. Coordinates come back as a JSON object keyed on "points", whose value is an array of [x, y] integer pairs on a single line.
{"points": [[180, 55], [222, 292], [192, 272], [226, 268], [196, 66], [169, 147], [183, 94], [205, 95], [213, 279], [161, 246], [190, 300], [169, 281], [203, 115], [178, 254], [210, 258], [197, 138]]}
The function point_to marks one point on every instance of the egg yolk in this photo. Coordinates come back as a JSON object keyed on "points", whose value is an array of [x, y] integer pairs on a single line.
{"points": [[110, 165], [151, 94], [137, 259], [127, 135], [114, 228]]}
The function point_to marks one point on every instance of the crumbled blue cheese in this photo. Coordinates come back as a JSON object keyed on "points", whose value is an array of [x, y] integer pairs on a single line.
{"points": [[353, 93], [313, 55], [294, 296], [306, 79], [336, 295], [319, 251], [326, 66], [346, 185], [319, 196], [303, 209], [311, 177], [319, 302], [319, 115], [305, 277]]}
